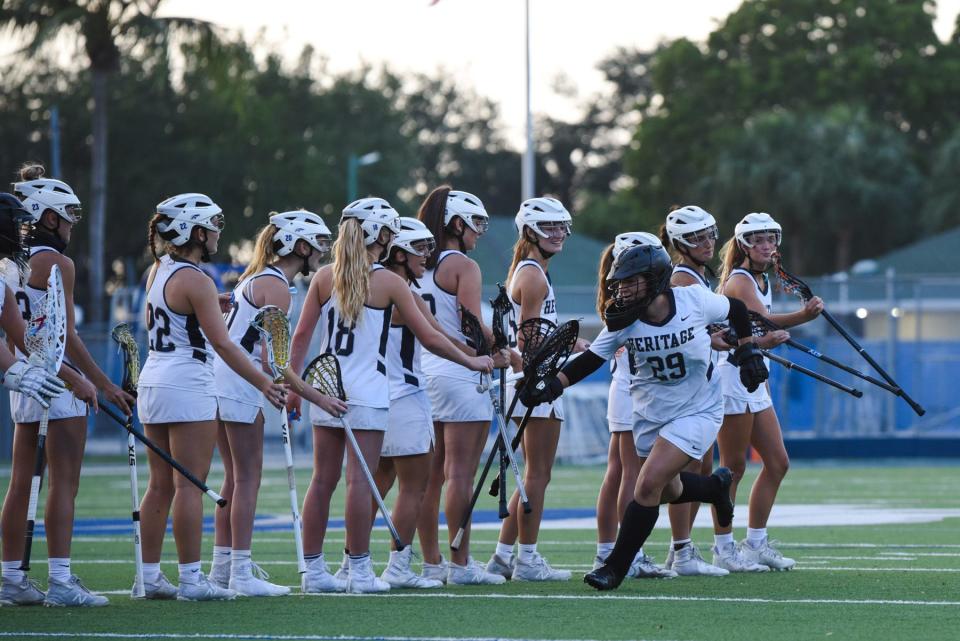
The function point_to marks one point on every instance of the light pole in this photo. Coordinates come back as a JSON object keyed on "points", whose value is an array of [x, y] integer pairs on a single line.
{"points": [[354, 163]]}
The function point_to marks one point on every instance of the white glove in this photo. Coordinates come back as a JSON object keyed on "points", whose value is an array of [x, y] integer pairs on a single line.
{"points": [[33, 381]]}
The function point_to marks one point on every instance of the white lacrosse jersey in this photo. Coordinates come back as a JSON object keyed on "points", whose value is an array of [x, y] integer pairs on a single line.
{"points": [[29, 298], [179, 355], [403, 357], [229, 384], [548, 310], [446, 309], [731, 374], [361, 349], [669, 361], [683, 269]]}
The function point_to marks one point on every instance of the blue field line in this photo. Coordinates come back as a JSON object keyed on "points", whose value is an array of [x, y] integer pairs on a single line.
{"points": [[274, 523]]}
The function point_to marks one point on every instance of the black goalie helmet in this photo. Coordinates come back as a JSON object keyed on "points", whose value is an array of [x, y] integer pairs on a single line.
{"points": [[15, 224], [648, 260]]}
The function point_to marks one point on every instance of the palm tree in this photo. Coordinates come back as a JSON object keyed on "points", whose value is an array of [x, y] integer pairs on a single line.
{"points": [[106, 28]]}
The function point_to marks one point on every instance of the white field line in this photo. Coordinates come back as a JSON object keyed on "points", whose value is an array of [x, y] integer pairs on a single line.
{"points": [[265, 637]]}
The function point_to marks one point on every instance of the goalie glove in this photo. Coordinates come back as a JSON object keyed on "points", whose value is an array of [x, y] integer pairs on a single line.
{"points": [[749, 359], [35, 382], [543, 392]]}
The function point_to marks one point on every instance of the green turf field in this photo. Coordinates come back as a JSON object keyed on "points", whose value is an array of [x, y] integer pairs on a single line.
{"points": [[895, 580]]}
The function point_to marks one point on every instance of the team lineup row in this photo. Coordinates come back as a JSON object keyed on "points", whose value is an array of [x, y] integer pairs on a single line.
{"points": [[415, 417]]}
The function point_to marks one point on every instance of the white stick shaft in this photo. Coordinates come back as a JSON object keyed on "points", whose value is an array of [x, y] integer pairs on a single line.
{"points": [[292, 486], [505, 438], [138, 587]]}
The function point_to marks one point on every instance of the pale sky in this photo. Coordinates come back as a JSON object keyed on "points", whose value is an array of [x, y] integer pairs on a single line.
{"points": [[480, 41]]}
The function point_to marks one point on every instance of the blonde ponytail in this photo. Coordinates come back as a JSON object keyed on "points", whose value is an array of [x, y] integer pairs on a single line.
{"points": [[263, 252], [731, 256], [351, 271]]}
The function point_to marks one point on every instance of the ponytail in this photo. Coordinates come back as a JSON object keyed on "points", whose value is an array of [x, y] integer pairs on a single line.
{"points": [[521, 250], [31, 171], [603, 294], [731, 256], [152, 236], [431, 213], [351, 271], [264, 252]]}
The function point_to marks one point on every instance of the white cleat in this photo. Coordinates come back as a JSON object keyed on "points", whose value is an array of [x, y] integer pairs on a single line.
{"points": [[24, 592], [472, 574], [220, 574], [729, 557], [343, 572], [317, 579], [399, 575], [767, 555], [255, 584], [688, 562], [159, 590], [72, 594], [436, 571], [504, 567], [643, 567], [362, 580], [537, 569], [204, 590]]}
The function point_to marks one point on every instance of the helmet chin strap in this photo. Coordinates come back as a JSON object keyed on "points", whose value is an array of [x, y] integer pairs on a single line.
{"points": [[305, 267], [752, 267], [43, 235]]}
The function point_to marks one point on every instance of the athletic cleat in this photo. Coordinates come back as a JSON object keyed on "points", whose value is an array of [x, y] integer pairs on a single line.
{"points": [[343, 573], [766, 555], [668, 564], [255, 584], [537, 569], [603, 578], [160, 590], [598, 563], [220, 574], [643, 567], [729, 557], [317, 579], [688, 562], [724, 503], [436, 571], [26, 592], [362, 579], [399, 575], [204, 590], [472, 574], [72, 594], [504, 567]]}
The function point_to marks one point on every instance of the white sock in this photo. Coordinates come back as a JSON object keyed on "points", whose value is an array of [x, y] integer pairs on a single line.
{"points": [[527, 551], [11, 571], [151, 572], [59, 569], [504, 550], [357, 561], [721, 540], [604, 550], [314, 561], [682, 543], [189, 572], [756, 537], [240, 563], [221, 556]]}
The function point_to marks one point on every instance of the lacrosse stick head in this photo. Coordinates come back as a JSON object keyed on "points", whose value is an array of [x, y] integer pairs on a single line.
{"points": [[552, 353], [533, 331], [122, 334], [790, 283], [501, 309], [473, 332], [323, 375], [46, 332], [274, 327]]}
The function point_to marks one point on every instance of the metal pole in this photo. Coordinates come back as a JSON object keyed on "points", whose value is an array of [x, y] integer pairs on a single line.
{"points": [[352, 165], [55, 140], [527, 171], [891, 422]]}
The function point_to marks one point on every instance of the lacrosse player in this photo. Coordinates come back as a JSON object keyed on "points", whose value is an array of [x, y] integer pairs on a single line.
{"points": [[748, 417]]}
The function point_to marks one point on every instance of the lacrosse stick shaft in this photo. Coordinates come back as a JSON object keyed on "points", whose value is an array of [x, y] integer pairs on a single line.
{"points": [[504, 437], [169, 460], [497, 446], [829, 361], [874, 364], [495, 486], [292, 487], [504, 512], [138, 587], [35, 484], [373, 484], [820, 377]]}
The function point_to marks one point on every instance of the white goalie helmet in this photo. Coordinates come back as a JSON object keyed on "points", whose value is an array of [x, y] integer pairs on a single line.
{"points": [[413, 232], [299, 224], [630, 239], [373, 214], [539, 211], [691, 225], [469, 209], [46, 193], [186, 211], [754, 223]]}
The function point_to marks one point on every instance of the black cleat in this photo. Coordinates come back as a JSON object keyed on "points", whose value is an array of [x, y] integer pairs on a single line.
{"points": [[603, 578], [724, 503]]}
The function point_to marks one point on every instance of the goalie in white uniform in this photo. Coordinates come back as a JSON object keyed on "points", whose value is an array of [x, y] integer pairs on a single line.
{"points": [[749, 418], [177, 399], [675, 406], [292, 242]]}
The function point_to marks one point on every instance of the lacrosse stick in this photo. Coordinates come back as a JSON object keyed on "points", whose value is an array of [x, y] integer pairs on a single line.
{"points": [[274, 327], [760, 319], [127, 344], [793, 285], [501, 309], [323, 374], [46, 340], [470, 326]]}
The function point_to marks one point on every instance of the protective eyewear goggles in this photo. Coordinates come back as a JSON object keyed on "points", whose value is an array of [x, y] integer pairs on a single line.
{"points": [[702, 237]]}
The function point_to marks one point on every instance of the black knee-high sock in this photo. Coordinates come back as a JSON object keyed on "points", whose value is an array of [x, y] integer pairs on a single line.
{"points": [[637, 524], [696, 487]]}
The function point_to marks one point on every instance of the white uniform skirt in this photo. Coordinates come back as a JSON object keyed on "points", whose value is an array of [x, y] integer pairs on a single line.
{"points": [[544, 410], [358, 417], [233, 411], [409, 426], [455, 400], [619, 408], [693, 434], [736, 398], [175, 405], [26, 410]]}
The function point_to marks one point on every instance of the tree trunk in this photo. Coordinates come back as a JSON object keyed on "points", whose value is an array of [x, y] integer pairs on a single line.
{"points": [[98, 194]]}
